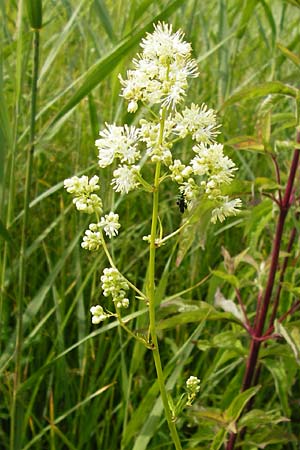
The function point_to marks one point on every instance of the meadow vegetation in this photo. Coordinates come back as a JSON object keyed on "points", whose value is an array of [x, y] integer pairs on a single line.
{"points": [[226, 294]]}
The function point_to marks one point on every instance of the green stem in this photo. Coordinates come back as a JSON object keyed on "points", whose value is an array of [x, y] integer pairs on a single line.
{"points": [[151, 286], [17, 404]]}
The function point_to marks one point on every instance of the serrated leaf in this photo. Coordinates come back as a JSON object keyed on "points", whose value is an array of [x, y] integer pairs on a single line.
{"points": [[238, 404], [261, 90]]}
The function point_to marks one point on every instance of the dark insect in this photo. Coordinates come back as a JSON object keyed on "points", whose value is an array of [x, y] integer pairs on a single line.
{"points": [[181, 202]]}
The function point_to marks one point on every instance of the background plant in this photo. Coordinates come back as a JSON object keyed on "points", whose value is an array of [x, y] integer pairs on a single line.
{"points": [[241, 44]]}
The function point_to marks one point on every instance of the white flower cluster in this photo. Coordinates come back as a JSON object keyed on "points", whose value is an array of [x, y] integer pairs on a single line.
{"points": [[114, 284], [84, 199], [98, 314], [161, 70], [193, 384], [193, 387], [93, 236], [82, 189], [160, 77]]}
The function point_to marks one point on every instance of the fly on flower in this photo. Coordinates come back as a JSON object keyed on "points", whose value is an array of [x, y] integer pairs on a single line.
{"points": [[181, 202]]}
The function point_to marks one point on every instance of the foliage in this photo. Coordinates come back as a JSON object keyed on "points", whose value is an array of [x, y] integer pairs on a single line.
{"points": [[82, 387]]}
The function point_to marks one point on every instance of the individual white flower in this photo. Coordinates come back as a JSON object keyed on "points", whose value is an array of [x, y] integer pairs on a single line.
{"points": [[110, 224], [228, 208], [199, 121], [98, 314], [161, 70], [84, 199], [125, 179], [118, 142], [114, 284], [93, 238]]}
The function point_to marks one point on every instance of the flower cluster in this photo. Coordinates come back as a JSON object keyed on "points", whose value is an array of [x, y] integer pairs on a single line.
{"points": [[160, 77], [84, 199], [161, 70], [82, 189], [114, 284], [98, 314], [192, 387]]}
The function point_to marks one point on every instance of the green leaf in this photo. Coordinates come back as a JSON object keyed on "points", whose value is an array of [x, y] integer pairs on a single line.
{"points": [[246, 143], [290, 55], [236, 407], [5, 233], [35, 13], [105, 19], [229, 278], [261, 90], [259, 417], [197, 313], [279, 374], [248, 9], [218, 440], [292, 338], [197, 228]]}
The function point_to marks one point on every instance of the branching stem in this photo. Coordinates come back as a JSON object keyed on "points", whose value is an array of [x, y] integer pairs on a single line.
{"points": [[284, 205]]}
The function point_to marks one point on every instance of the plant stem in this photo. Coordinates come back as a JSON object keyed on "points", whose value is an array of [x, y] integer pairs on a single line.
{"points": [[16, 416], [285, 204], [151, 288]]}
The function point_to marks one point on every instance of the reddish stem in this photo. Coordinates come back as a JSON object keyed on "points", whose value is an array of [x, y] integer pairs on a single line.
{"points": [[259, 327]]}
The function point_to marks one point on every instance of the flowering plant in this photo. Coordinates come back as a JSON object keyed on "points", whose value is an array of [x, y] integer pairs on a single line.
{"points": [[158, 83]]}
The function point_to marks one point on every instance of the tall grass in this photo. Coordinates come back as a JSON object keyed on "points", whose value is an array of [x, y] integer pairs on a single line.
{"points": [[87, 388]]}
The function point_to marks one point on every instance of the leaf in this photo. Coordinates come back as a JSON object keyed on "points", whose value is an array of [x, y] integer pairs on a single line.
{"points": [[59, 43], [261, 90], [238, 404], [279, 374], [250, 143], [292, 338], [218, 440], [290, 55], [248, 9], [5, 233], [231, 279], [228, 306], [197, 228], [105, 19], [35, 13], [202, 311], [259, 417]]}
